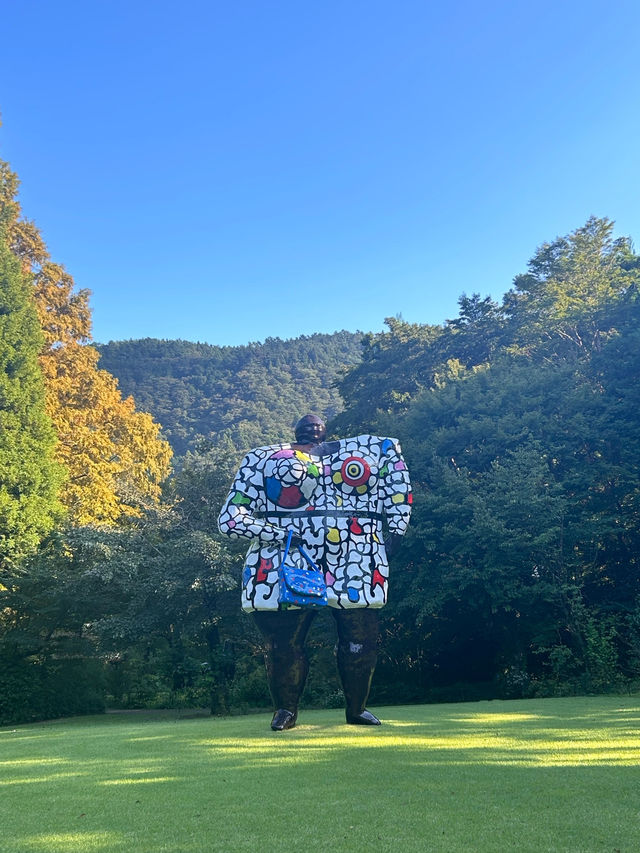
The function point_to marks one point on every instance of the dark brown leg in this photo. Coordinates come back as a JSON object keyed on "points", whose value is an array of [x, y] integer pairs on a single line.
{"points": [[286, 660], [357, 657]]}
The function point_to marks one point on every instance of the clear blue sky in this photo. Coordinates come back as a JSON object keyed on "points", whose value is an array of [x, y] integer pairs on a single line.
{"points": [[225, 172]]}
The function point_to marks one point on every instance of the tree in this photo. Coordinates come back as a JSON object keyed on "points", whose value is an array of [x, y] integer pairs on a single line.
{"points": [[29, 477], [111, 451], [396, 365], [477, 333], [563, 303]]}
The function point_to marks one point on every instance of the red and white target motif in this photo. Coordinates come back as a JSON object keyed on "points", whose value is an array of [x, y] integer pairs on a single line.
{"points": [[355, 471]]}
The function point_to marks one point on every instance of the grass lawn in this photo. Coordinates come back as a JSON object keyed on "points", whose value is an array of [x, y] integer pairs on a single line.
{"points": [[536, 775]]}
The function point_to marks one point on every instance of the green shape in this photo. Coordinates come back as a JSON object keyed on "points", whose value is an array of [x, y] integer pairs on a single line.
{"points": [[312, 469], [384, 471], [239, 498]]}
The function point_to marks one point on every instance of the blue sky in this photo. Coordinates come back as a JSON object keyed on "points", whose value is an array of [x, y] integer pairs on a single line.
{"points": [[225, 172]]}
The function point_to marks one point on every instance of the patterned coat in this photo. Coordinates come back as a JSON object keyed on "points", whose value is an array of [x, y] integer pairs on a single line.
{"points": [[335, 499]]}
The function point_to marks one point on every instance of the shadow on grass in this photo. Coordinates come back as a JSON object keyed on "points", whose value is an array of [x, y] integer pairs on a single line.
{"points": [[531, 775]]}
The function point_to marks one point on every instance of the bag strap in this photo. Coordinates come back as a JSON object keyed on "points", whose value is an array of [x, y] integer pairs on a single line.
{"points": [[286, 547], [308, 559], [305, 556]]}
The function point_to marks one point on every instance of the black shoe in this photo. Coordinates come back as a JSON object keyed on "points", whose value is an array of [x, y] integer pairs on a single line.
{"points": [[283, 719], [366, 718]]}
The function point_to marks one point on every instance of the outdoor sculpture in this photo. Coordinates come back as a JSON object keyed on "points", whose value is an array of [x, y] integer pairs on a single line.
{"points": [[333, 497]]}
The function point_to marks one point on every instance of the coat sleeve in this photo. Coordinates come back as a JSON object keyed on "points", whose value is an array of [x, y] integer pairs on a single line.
{"points": [[246, 497], [396, 488]]}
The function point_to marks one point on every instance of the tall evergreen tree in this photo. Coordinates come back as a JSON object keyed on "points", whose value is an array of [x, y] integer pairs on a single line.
{"points": [[29, 476]]}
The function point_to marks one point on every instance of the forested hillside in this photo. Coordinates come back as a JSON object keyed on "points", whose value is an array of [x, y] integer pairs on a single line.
{"points": [[253, 394]]}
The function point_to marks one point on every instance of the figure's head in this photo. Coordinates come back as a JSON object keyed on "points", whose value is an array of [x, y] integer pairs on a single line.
{"points": [[310, 429]]}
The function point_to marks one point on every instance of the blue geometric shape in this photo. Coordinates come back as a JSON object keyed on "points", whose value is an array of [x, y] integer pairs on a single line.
{"points": [[387, 444], [274, 487], [353, 594], [246, 574]]}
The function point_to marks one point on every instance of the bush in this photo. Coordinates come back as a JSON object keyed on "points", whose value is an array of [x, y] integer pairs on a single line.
{"points": [[41, 690]]}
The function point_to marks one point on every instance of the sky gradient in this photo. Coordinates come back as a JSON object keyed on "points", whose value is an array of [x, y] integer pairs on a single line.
{"points": [[226, 172]]}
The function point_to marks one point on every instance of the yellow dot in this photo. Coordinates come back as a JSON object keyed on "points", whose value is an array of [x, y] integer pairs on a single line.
{"points": [[333, 534], [337, 477], [361, 489], [375, 538], [398, 498], [339, 501]]}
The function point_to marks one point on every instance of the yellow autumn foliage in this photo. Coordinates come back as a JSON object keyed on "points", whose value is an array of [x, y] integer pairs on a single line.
{"points": [[111, 451]]}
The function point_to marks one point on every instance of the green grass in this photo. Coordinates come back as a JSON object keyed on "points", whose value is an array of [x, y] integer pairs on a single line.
{"points": [[537, 775]]}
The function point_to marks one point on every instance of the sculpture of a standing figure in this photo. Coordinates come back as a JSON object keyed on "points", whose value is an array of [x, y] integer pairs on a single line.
{"points": [[333, 496]]}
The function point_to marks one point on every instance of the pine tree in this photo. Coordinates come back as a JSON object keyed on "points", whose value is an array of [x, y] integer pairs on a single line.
{"points": [[29, 477]]}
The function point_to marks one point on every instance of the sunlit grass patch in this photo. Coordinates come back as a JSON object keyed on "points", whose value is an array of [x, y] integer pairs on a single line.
{"points": [[540, 775], [71, 841]]}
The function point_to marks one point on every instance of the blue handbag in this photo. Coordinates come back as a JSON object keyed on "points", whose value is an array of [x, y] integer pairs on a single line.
{"points": [[301, 587]]}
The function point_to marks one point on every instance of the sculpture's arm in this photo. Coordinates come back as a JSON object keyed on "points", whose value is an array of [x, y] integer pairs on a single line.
{"points": [[246, 496], [396, 487]]}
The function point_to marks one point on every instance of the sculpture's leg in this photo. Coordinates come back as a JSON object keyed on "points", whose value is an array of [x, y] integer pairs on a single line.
{"points": [[286, 660], [357, 656]]}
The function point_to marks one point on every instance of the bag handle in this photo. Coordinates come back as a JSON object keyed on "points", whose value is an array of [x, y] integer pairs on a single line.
{"points": [[308, 559], [286, 547], [305, 556]]}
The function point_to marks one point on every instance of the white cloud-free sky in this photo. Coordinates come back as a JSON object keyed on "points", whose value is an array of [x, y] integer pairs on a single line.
{"points": [[225, 172]]}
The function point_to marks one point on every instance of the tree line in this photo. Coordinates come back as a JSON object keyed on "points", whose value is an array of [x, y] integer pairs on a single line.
{"points": [[519, 420], [520, 423]]}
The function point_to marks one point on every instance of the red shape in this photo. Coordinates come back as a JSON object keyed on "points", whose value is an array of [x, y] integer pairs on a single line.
{"points": [[410, 498], [377, 580], [265, 566], [360, 472], [290, 496], [354, 527]]}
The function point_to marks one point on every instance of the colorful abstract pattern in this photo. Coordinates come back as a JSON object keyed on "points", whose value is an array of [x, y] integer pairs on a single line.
{"points": [[335, 499]]}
